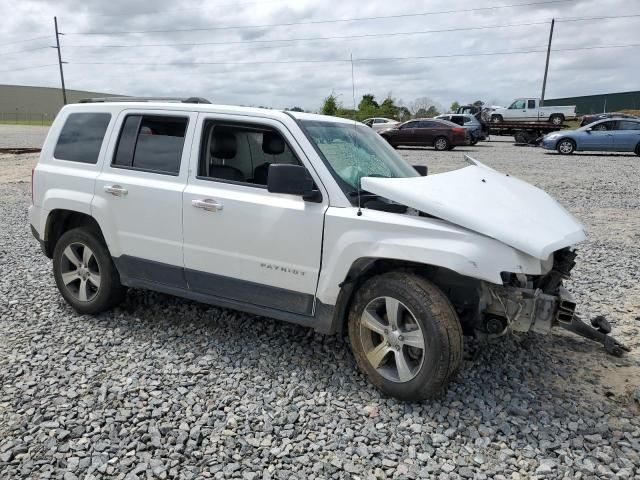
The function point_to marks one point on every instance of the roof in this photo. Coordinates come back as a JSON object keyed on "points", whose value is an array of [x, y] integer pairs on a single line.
{"points": [[205, 108]]}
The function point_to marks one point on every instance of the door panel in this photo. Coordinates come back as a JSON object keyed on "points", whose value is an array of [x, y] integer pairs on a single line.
{"points": [[255, 246], [596, 139], [626, 136], [143, 209]]}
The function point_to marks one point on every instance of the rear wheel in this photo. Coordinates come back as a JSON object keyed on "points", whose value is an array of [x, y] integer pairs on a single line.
{"points": [[566, 146], [441, 143], [556, 119], [474, 141], [84, 272], [405, 336]]}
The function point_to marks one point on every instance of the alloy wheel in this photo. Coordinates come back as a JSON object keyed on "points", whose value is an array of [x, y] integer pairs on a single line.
{"points": [[441, 144], [80, 271], [565, 147], [392, 339]]}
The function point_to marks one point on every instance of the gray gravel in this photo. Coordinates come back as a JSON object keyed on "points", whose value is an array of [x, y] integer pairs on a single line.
{"points": [[167, 388]]}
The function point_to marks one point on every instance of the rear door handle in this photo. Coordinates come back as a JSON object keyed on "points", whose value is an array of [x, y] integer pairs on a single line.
{"points": [[208, 204], [116, 190]]}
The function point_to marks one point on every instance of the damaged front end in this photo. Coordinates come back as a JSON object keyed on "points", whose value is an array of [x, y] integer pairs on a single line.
{"points": [[528, 303]]}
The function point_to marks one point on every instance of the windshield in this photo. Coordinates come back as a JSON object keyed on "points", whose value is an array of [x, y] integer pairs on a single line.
{"points": [[356, 151]]}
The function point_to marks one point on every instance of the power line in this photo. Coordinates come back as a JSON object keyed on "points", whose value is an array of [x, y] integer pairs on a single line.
{"points": [[29, 68], [316, 22], [344, 37], [23, 51], [24, 41], [305, 39], [170, 12], [358, 60]]}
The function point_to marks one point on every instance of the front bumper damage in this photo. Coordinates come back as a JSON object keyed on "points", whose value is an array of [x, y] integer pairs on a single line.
{"points": [[527, 309]]}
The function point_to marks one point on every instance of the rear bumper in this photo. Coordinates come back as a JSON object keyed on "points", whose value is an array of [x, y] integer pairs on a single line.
{"points": [[34, 217]]}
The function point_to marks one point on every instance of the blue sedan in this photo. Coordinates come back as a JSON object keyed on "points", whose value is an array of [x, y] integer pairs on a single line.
{"points": [[610, 135]]}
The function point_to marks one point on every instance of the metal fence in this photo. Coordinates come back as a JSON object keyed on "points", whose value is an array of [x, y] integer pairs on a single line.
{"points": [[20, 118]]}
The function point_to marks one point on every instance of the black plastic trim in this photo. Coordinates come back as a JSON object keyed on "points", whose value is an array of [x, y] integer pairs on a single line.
{"points": [[227, 292]]}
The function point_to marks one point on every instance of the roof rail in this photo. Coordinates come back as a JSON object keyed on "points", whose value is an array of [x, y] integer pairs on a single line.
{"points": [[145, 99]]}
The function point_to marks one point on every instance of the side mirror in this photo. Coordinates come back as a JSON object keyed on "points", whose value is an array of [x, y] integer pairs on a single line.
{"points": [[421, 169], [292, 180]]}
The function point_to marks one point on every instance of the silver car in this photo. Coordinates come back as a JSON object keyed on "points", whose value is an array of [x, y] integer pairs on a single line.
{"points": [[470, 123], [609, 135], [380, 123]]}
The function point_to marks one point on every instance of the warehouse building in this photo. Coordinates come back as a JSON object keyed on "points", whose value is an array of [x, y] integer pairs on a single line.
{"points": [[20, 103], [606, 102]]}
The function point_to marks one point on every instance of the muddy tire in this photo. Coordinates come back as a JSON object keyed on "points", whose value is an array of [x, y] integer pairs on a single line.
{"points": [[405, 336], [496, 119], [84, 272]]}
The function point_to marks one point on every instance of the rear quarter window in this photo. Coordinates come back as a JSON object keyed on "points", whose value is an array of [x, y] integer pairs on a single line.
{"points": [[81, 137]]}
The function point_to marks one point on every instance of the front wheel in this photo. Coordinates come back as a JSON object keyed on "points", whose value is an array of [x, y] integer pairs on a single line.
{"points": [[566, 146], [84, 272], [405, 336], [441, 144], [496, 119], [638, 149]]}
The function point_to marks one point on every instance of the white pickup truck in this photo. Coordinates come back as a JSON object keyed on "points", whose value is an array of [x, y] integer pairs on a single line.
{"points": [[529, 110]]}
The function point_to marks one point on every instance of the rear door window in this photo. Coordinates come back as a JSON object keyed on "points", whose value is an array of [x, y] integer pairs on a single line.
{"points": [[628, 125], [81, 137], [151, 143]]}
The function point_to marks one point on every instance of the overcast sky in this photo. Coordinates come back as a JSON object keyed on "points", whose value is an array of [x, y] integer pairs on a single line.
{"points": [[494, 79]]}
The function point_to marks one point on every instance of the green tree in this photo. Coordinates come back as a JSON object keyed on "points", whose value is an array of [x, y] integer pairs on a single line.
{"points": [[330, 105], [454, 107], [432, 111], [368, 107], [421, 113], [403, 113], [388, 108]]}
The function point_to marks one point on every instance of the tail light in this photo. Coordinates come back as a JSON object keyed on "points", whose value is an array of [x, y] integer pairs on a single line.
{"points": [[459, 130], [33, 169]]}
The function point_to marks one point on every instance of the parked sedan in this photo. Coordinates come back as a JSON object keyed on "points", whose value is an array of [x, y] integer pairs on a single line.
{"points": [[380, 123], [427, 132], [477, 131], [610, 135]]}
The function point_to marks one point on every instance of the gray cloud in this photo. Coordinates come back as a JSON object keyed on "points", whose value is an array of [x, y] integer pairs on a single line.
{"points": [[499, 78]]}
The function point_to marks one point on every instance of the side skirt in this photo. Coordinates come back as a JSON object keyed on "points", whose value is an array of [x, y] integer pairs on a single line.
{"points": [[171, 282]]}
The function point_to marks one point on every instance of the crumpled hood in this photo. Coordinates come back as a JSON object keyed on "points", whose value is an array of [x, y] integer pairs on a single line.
{"points": [[486, 201]]}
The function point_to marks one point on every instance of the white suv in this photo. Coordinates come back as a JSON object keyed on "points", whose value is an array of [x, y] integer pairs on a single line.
{"points": [[305, 218]]}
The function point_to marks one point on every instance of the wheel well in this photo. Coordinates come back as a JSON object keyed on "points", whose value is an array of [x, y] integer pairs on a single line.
{"points": [[556, 115], [463, 292], [566, 138], [60, 221]]}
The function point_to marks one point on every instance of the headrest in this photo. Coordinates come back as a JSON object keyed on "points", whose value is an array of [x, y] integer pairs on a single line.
{"points": [[223, 145], [272, 143]]}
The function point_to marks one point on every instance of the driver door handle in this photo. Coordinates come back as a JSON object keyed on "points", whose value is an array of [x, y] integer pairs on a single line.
{"points": [[116, 190], [208, 204]]}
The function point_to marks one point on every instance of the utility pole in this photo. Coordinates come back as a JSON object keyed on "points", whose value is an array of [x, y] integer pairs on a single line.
{"points": [[64, 90], [546, 66]]}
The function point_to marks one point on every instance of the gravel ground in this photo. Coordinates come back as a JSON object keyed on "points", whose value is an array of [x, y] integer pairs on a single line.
{"points": [[167, 388]]}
